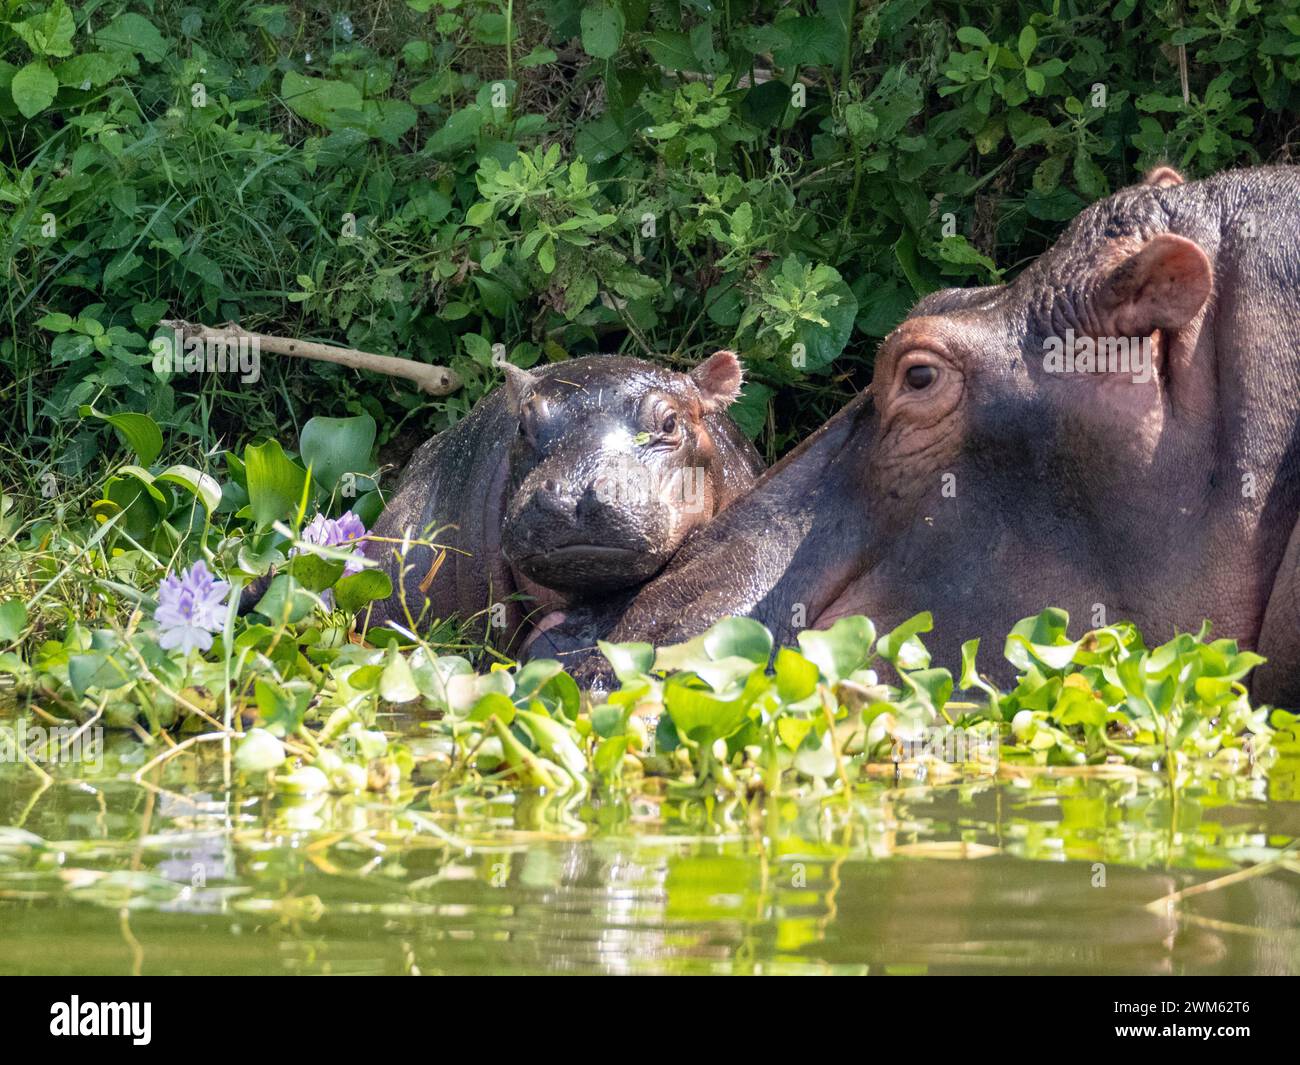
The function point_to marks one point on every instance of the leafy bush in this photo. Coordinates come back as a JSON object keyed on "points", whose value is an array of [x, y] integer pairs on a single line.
{"points": [[436, 177]]}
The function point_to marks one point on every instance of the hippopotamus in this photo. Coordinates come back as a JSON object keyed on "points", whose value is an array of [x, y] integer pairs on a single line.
{"points": [[1006, 456], [573, 482]]}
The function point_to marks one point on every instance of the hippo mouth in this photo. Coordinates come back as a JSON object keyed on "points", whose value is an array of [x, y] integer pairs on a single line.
{"points": [[594, 552], [589, 567]]}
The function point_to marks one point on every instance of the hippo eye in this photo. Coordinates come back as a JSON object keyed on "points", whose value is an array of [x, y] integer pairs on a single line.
{"points": [[670, 425], [920, 376]]}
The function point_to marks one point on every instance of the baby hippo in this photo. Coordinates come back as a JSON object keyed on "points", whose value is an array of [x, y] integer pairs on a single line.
{"points": [[574, 482]]}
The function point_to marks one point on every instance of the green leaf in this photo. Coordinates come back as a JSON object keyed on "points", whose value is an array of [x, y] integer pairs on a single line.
{"points": [[934, 685], [602, 30], [672, 51], [739, 637], [970, 35], [139, 432], [286, 601], [1077, 705], [796, 677], [396, 684], [335, 446], [841, 649], [793, 731], [750, 411], [609, 720], [133, 493], [34, 88], [1088, 176], [824, 342], [323, 101], [258, 751], [628, 660], [545, 679], [134, 33], [352, 593], [275, 483], [13, 619], [459, 132], [903, 648], [1041, 639], [200, 485], [493, 704], [58, 322], [282, 707], [546, 256], [50, 32], [608, 758], [97, 68], [699, 713], [970, 677], [1027, 43], [314, 572], [813, 41], [816, 756], [554, 740]]}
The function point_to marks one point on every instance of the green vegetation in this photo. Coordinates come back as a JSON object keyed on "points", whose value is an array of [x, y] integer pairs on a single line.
{"points": [[430, 178], [438, 177]]}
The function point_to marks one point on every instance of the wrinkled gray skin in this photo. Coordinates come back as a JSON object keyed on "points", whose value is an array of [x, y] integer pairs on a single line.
{"points": [[574, 481], [1163, 502]]}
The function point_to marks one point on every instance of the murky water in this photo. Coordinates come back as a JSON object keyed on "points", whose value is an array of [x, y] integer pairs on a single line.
{"points": [[1044, 874]]}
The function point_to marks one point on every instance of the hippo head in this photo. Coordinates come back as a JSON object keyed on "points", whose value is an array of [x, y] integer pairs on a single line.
{"points": [[614, 463], [1022, 445]]}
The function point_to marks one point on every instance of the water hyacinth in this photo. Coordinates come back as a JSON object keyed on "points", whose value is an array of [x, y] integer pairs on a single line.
{"points": [[336, 532], [191, 608]]}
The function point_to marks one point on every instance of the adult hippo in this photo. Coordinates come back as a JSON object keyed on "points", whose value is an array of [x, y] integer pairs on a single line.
{"points": [[984, 474], [574, 481]]}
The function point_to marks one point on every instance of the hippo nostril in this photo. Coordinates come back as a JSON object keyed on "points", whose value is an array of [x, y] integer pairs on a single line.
{"points": [[596, 503], [552, 497]]}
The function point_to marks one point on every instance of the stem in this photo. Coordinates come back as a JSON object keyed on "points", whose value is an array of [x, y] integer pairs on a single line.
{"points": [[835, 747], [510, 39], [848, 210], [848, 48]]}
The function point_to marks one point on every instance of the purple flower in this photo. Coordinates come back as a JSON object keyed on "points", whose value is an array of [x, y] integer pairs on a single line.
{"points": [[336, 532], [191, 608]]}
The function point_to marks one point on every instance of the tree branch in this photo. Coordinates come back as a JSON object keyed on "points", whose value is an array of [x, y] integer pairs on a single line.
{"points": [[437, 380]]}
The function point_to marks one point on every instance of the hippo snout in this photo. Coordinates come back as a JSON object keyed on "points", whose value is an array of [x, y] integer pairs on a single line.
{"points": [[579, 538]]}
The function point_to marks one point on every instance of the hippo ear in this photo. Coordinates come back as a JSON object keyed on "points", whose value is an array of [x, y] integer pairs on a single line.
{"points": [[1162, 286], [719, 378], [518, 382], [1163, 177]]}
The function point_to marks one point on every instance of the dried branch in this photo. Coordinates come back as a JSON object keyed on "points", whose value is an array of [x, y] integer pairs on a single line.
{"points": [[437, 380]]}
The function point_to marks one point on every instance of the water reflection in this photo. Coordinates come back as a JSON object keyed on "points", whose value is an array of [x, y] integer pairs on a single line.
{"points": [[1038, 874]]}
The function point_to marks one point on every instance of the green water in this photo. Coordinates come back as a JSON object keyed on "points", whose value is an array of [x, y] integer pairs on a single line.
{"points": [[185, 873]]}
